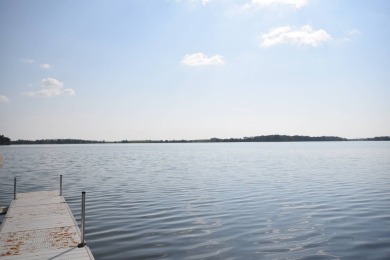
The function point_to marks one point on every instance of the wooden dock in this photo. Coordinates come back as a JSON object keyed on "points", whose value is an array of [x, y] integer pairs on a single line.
{"points": [[40, 225]]}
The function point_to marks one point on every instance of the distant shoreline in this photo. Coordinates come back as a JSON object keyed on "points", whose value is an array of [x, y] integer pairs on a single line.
{"points": [[262, 138]]}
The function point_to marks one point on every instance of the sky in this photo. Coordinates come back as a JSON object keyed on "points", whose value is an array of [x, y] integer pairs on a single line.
{"points": [[193, 69]]}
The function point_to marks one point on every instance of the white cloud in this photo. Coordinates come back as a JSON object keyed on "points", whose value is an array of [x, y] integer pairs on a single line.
{"points": [[200, 59], [3, 99], [50, 87], [45, 66], [27, 61], [302, 36]]}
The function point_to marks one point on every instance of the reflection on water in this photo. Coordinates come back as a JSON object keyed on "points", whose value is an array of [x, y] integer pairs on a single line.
{"points": [[218, 201]]}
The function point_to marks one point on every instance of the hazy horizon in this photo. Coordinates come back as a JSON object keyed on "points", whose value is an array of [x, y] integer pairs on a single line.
{"points": [[194, 69], [204, 139]]}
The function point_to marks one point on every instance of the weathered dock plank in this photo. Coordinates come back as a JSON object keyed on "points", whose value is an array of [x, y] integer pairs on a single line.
{"points": [[40, 225]]}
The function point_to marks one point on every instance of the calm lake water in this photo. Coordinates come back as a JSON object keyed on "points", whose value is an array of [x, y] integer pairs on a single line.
{"points": [[316, 200]]}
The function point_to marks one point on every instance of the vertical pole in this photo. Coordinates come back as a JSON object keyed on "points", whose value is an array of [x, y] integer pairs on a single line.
{"points": [[82, 243], [15, 188], [61, 185]]}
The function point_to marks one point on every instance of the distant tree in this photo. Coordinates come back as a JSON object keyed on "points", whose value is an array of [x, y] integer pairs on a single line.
{"points": [[379, 138], [56, 141], [279, 138], [4, 140]]}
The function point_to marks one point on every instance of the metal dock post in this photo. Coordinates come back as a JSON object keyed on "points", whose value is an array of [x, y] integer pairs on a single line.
{"points": [[15, 188], [61, 185], [82, 243]]}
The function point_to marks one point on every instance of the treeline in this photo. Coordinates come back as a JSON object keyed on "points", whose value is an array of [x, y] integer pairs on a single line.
{"points": [[280, 138], [378, 138], [158, 141], [56, 141], [263, 138], [4, 140]]}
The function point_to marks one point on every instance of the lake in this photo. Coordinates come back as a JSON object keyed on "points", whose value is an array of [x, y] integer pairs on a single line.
{"points": [[309, 200]]}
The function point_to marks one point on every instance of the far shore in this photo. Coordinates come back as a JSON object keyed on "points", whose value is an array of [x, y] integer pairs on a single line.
{"points": [[262, 138]]}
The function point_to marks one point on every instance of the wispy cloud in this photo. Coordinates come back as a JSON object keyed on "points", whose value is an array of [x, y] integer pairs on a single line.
{"points": [[351, 34], [27, 61], [264, 3], [50, 87], [200, 59], [3, 99], [45, 66], [288, 35], [203, 2]]}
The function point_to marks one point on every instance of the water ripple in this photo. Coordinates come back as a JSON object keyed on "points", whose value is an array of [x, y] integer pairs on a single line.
{"points": [[219, 201]]}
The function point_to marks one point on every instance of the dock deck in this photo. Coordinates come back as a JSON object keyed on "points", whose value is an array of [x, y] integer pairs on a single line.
{"points": [[40, 225]]}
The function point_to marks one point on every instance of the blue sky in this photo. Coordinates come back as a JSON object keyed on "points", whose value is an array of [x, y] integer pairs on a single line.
{"points": [[191, 69]]}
